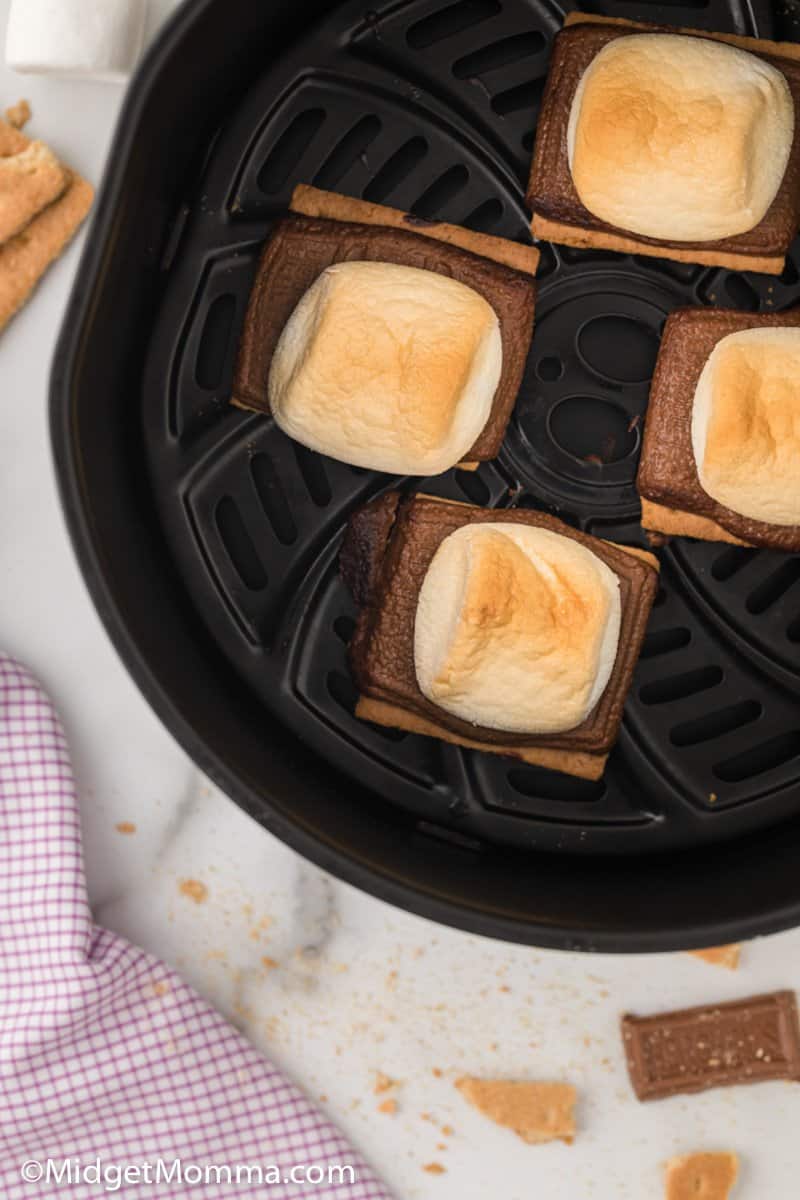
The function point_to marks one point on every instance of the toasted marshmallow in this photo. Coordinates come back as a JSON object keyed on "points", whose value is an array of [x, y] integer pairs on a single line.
{"points": [[517, 628], [679, 138], [746, 424], [387, 367]]}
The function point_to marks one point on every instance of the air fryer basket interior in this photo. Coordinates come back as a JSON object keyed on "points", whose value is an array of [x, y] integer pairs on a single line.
{"points": [[209, 540]]}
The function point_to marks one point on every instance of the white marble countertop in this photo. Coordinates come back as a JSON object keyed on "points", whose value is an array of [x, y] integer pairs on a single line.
{"points": [[357, 987]]}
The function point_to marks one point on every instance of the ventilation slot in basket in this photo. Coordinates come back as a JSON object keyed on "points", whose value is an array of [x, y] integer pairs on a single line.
{"points": [[289, 149], [447, 22], [499, 54], [344, 628], [550, 785], [473, 487], [396, 170], [239, 545], [486, 216], [349, 150], [680, 687], [314, 475], [524, 97], [212, 353], [741, 293], [789, 275], [761, 758], [774, 587], [716, 724], [273, 498], [730, 562], [342, 690], [665, 641], [441, 193]]}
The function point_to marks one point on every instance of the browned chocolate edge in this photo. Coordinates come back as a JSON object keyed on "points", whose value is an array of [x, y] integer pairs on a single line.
{"points": [[550, 160], [372, 543], [689, 336]]}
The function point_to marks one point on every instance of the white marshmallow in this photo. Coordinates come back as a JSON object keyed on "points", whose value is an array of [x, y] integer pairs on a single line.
{"points": [[746, 424], [388, 367], [88, 39], [517, 628]]}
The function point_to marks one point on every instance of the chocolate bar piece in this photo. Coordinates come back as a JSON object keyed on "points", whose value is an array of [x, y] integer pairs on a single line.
{"points": [[693, 1049]]}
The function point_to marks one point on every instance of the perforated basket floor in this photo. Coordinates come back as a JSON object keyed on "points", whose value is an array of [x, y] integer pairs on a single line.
{"points": [[432, 108]]}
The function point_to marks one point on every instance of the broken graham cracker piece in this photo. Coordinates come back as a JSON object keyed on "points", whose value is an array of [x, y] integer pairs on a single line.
{"points": [[26, 257], [29, 181], [693, 1049], [707, 1176], [536, 1112], [720, 956]]}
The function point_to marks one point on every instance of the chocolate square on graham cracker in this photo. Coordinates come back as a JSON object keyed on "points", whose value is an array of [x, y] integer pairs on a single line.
{"points": [[673, 499], [323, 228], [387, 550], [559, 215]]}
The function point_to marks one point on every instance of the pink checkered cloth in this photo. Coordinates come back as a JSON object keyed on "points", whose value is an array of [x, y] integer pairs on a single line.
{"points": [[104, 1051]]}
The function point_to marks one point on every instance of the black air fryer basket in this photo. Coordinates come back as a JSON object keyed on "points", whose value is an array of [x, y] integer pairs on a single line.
{"points": [[209, 540]]}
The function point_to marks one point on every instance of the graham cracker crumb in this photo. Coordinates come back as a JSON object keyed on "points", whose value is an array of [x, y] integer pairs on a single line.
{"points": [[194, 890], [388, 1106], [720, 956], [125, 827], [707, 1175], [269, 963], [383, 1083], [448, 1130], [536, 1112], [437, 1072], [434, 1168]]}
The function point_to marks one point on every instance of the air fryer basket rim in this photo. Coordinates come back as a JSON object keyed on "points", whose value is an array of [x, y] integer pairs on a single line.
{"points": [[391, 882]]}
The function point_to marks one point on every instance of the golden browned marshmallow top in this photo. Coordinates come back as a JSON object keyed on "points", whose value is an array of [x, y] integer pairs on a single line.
{"points": [[746, 424], [517, 628], [679, 138], [387, 367]]}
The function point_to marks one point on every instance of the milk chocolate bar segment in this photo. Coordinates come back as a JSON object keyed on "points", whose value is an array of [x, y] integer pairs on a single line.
{"points": [[691, 1050]]}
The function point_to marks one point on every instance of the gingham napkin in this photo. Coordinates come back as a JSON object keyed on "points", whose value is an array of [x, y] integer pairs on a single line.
{"points": [[108, 1060]]}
